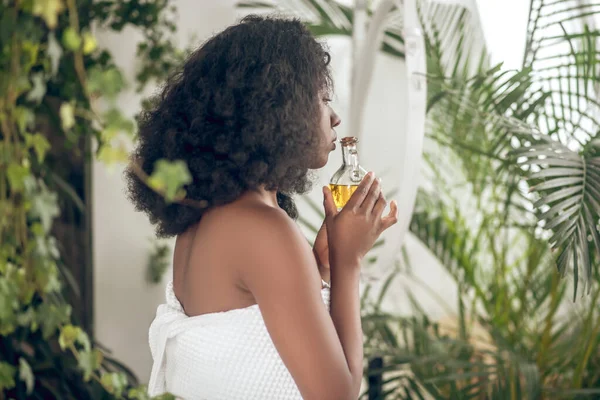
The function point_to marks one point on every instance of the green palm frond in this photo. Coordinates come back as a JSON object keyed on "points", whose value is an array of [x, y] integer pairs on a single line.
{"points": [[255, 4], [426, 361], [484, 138], [447, 237], [459, 365], [562, 52], [470, 142], [532, 348], [569, 187], [328, 17], [453, 40]]}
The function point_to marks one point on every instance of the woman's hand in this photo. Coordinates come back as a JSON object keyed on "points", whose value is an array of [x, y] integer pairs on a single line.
{"points": [[321, 247], [352, 231]]}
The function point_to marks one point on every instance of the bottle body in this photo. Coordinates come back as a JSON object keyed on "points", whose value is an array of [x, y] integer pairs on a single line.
{"points": [[346, 179], [341, 194]]}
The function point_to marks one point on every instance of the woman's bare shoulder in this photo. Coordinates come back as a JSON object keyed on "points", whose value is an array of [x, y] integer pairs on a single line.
{"points": [[243, 217], [255, 231]]}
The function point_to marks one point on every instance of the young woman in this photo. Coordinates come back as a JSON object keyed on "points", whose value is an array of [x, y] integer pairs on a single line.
{"points": [[252, 311]]}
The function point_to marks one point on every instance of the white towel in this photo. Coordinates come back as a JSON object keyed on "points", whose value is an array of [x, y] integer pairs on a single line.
{"points": [[218, 356]]}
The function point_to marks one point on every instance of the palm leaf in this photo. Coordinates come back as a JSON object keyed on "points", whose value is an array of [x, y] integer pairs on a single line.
{"points": [[570, 195], [452, 37], [328, 17], [561, 51], [566, 179]]}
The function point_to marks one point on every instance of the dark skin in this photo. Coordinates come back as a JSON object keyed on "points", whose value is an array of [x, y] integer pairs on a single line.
{"points": [[321, 252], [249, 113], [221, 294], [251, 252]]}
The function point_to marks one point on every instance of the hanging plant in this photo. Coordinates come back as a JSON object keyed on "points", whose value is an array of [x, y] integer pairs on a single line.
{"points": [[53, 77]]}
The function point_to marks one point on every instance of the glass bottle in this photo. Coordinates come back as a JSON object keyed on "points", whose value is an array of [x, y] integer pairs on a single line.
{"points": [[347, 178]]}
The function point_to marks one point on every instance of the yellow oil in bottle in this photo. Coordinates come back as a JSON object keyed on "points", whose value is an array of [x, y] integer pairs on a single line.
{"points": [[342, 193]]}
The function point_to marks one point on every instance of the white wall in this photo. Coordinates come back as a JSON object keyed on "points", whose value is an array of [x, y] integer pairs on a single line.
{"points": [[124, 303]]}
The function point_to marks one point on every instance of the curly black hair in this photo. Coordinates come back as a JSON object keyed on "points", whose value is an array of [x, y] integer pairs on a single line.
{"points": [[242, 112]]}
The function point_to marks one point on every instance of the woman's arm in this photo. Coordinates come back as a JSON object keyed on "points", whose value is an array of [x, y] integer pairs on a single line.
{"points": [[322, 352], [321, 252], [345, 314], [345, 304], [280, 271]]}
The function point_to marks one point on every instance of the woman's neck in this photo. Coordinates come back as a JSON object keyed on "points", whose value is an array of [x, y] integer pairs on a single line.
{"points": [[268, 197]]}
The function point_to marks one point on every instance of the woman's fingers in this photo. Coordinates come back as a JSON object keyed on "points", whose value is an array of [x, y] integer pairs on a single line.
{"points": [[328, 203], [391, 218], [361, 192], [372, 197], [379, 205]]}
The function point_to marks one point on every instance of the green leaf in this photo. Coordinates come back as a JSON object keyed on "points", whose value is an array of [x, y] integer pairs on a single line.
{"points": [[114, 383], [68, 336], [44, 206], [159, 262], [554, 172], [45, 246], [54, 53], [565, 216], [169, 177], [12, 293], [385, 287], [569, 201], [39, 144], [575, 272], [37, 93], [108, 82], [26, 375], [558, 195], [138, 393], [254, 4], [84, 340], [558, 182], [166, 396], [552, 162], [27, 319], [50, 317], [89, 43], [111, 155], [90, 361], [53, 284], [25, 118], [16, 176], [563, 234], [116, 123], [7, 376], [49, 10], [595, 233], [29, 57], [71, 40], [67, 116], [585, 254]]}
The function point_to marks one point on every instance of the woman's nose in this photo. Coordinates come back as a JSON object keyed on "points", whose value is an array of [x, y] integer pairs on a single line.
{"points": [[335, 119]]}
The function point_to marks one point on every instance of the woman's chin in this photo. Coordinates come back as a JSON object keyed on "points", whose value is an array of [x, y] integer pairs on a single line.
{"points": [[321, 160], [320, 163]]}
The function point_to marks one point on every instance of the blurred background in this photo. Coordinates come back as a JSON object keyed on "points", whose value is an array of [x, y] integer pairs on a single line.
{"points": [[481, 117]]}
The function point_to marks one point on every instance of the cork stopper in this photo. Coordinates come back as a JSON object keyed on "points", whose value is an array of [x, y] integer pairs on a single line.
{"points": [[348, 140]]}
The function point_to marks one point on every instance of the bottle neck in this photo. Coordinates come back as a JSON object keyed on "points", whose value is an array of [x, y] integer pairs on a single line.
{"points": [[350, 156]]}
